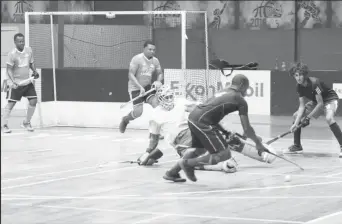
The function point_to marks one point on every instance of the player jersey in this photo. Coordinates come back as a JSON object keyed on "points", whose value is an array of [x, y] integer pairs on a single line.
{"points": [[216, 108], [172, 122], [144, 70], [21, 63], [315, 86]]}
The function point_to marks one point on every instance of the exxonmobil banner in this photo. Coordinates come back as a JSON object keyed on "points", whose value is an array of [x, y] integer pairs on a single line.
{"points": [[202, 84]]}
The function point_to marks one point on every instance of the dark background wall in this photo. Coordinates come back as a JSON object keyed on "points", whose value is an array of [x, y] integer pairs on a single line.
{"points": [[284, 97]]}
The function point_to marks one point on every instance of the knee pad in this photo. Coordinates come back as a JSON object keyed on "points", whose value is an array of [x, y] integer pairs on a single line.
{"points": [[137, 110], [148, 159]]}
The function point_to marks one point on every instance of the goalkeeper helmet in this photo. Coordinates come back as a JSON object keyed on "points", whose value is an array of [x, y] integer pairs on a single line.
{"points": [[165, 97]]}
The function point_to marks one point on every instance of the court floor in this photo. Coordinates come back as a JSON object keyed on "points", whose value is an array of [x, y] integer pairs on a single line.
{"points": [[76, 175]]}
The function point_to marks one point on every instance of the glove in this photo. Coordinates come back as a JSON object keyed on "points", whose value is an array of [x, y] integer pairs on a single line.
{"points": [[305, 122], [157, 85], [261, 148], [35, 75]]}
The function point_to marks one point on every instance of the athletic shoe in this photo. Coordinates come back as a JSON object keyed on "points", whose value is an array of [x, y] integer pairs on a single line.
{"points": [[340, 153], [123, 125], [189, 171], [294, 149], [6, 129], [173, 177], [27, 125]]}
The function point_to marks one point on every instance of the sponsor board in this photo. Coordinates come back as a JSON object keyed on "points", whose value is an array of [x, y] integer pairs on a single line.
{"points": [[200, 85]]}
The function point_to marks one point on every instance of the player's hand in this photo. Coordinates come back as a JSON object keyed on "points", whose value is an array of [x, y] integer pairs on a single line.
{"points": [[261, 148], [293, 128], [142, 91], [35, 75], [157, 85], [13, 85], [305, 122]]}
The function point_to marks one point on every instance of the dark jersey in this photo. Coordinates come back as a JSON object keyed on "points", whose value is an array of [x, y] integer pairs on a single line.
{"points": [[213, 110], [314, 87]]}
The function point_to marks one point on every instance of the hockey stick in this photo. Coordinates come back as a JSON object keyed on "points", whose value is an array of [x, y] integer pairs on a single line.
{"points": [[222, 69], [280, 136], [132, 100], [134, 161]]}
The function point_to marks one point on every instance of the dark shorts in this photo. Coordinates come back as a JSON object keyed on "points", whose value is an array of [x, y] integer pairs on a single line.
{"points": [[206, 136], [27, 91], [143, 99]]}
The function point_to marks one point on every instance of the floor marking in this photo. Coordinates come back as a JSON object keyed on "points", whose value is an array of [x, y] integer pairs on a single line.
{"points": [[294, 175], [151, 219], [252, 189], [121, 139], [20, 151], [139, 197], [318, 220], [80, 137], [11, 134], [74, 176], [39, 136], [62, 135], [171, 214], [97, 137], [335, 174]]}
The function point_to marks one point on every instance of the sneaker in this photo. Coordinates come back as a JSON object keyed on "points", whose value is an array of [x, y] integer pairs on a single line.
{"points": [[189, 171], [340, 156], [6, 129], [173, 177], [27, 125], [294, 149], [123, 125]]}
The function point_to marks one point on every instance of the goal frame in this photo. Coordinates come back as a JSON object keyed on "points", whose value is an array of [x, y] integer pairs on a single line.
{"points": [[111, 15]]}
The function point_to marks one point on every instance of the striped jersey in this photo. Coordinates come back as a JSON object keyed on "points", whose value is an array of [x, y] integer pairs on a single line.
{"points": [[144, 70], [20, 61], [315, 86]]}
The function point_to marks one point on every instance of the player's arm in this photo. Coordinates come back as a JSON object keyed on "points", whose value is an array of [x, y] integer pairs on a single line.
{"points": [[9, 71], [159, 72], [246, 125], [132, 71]]}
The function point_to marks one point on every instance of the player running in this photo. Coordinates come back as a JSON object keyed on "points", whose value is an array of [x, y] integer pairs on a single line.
{"points": [[140, 73], [19, 84], [322, 100]]}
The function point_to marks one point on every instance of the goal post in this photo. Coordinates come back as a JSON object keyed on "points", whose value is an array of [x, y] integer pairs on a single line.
{"points": [[93, 45]]}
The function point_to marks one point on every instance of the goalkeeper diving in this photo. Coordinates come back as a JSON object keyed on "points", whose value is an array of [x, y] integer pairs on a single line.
{"points": [[170, 118]]}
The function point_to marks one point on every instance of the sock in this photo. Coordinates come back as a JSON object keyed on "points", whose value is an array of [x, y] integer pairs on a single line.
{"points": [[30, 112], [335, 128], [202, 160], [6, 116], [296, 136], [129, 117]]}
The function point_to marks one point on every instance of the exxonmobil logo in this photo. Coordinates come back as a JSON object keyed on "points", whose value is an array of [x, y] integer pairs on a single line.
{"points": [[198, 90]]}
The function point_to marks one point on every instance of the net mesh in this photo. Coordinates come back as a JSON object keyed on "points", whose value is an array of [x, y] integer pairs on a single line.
{"points": [[94, 41]]}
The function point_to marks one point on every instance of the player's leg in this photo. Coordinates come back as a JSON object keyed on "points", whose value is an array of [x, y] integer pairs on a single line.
{"points": [[297, 148], [13, 96], [30, 93], [213, 142], [152, 154], [330, 109], [137, 111]]}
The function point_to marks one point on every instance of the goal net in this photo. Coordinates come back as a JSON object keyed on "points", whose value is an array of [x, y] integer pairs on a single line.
{"points": [[67, 46]]}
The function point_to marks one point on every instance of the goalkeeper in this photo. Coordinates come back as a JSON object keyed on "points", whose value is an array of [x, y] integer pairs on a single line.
{"points": [[19, 83], [141, 68]]}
